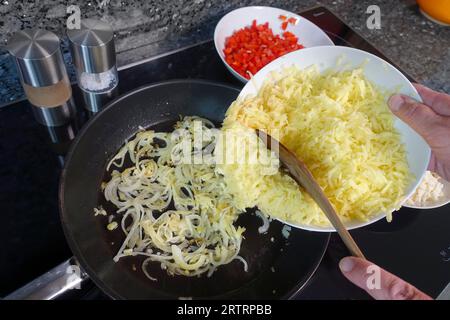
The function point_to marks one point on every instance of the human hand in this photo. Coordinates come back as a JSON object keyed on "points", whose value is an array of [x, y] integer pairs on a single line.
{"points": [[431, 119], [377, 282]]}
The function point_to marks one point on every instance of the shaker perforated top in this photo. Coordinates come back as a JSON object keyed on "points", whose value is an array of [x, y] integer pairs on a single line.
{"points": [[38, 57], [92, 46]]}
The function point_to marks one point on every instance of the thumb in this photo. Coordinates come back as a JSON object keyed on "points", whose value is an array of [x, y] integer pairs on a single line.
{"points": [[377, 282], [417, 115]]}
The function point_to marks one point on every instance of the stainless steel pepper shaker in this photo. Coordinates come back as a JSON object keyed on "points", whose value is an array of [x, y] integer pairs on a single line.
{"points": [[94, 57], [37, 55]]}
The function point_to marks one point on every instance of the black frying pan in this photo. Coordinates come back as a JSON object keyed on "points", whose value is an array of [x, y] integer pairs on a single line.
{"points": [[278, 268]]}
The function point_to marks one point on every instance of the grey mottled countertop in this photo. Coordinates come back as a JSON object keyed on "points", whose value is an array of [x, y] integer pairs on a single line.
{"points": [[147, 28]]}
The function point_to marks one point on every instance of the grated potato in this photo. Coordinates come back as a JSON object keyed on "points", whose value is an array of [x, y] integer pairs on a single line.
{"points": [[339, 124]]}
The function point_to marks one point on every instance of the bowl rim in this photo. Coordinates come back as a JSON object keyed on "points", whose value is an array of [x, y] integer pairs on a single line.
{"points": [[433, 206], [221, 21], [341, 49]]}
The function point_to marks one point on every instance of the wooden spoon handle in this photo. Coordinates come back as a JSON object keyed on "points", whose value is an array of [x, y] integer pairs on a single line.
{"points": [[301, 174], [303, 177]]}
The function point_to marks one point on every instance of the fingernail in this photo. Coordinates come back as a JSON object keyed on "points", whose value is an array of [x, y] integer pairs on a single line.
{"points": [[395, 102], [346, 264]]}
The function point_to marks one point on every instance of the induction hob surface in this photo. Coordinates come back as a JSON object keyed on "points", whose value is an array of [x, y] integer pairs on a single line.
{"points": [[415, 246]]}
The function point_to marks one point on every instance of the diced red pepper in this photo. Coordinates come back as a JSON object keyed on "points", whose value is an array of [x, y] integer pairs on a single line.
{"points": [[251, 48], [292, 20]]}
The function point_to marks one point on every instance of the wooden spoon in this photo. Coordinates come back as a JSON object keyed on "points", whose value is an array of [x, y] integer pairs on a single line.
{"points": [[301, 174]]}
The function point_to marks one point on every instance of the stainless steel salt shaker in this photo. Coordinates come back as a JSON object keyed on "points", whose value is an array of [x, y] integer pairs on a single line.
{"points": [[37, 55], [94, 57]]}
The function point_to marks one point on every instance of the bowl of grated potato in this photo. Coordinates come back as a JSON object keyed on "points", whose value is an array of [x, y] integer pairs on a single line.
{"points": [[328, 105]]}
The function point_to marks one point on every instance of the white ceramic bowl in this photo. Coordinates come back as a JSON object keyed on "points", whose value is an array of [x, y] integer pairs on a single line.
{"points": [[308, 33], [376, 70]]}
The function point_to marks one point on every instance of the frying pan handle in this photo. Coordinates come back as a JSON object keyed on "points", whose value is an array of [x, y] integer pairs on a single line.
{"points": [[52, 284]]}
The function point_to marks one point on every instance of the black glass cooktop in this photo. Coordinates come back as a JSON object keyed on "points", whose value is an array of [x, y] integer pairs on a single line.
{"points": [[415, 246]]}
